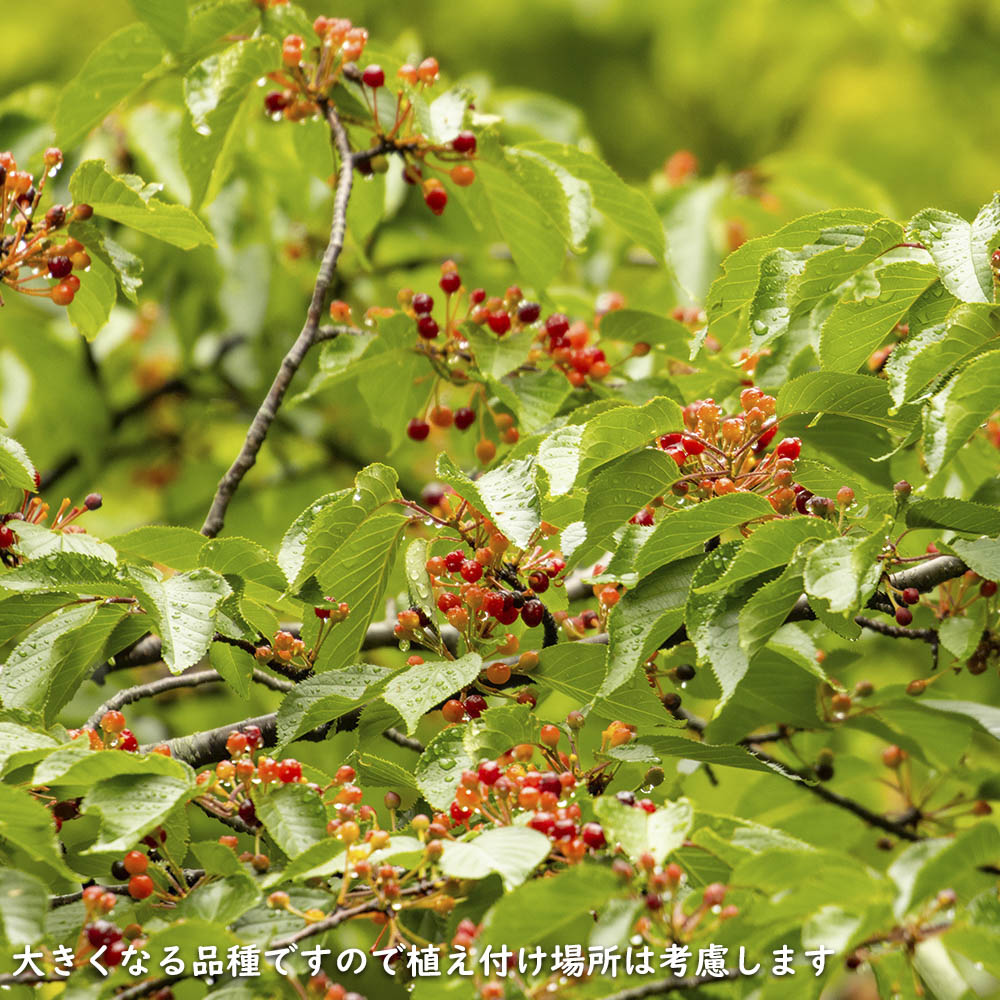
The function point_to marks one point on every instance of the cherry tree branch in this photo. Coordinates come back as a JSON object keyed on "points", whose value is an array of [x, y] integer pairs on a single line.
{"points": [[671, 986], [133, 694], [293, 359]]}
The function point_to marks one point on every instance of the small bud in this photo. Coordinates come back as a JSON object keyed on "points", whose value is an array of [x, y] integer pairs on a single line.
{"points": [[902, 489]]}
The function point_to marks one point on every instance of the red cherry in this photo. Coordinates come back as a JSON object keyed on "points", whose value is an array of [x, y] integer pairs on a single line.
{"points": [[464, 142], [677, 454], [453, 561], [7, 537], [464, 418], [427, 327], [911, 595], [543, 822], [556, 325], [499, 322], [450, 282], [788, 448], [528, 312], [140, 886], [668, 440], [135, 863], [643, 517], [275, 102], [903, 616], [692, 445], [593, 835], [475, 705], [532, 613], [471, 570], [128, 742], [373, 77], [418, 429], [436, 198], [458, 813], [322, 613], [289, 771], [453, 711], [489, 772], [422, 303], [447, 601], [988, 588], [60, 266]]}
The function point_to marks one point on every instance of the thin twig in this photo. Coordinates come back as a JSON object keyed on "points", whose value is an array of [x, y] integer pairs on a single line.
{"points": [[404, 741], [293, 359]]}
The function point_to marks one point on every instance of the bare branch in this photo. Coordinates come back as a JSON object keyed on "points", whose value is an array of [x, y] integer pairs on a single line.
{"points": [[133, 694], [293, 359], [671, 986]]}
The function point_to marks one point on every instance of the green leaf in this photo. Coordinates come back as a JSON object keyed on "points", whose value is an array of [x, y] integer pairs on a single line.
{"points": [[375, 770], [634, 326], [535, 244], [126, 267], [183, 609], [27, 825], [327, 696], [358, 575], [546, 907], [934, 351], [981, 555], [221, 901], [15, 466], [91, 306], [418, 689], [768, 547], [126, 200], [644, 617], [23, 907], [295, 547], [501, 728], [37, 540], [623, 205], [133, 805], [74, 764], [215, 92], [733, 290], [168, 20], [512, 851], [767, 608], [843, 572], [857, 326], [957, 411], [506, 494], [659, 833], [680, 532], [953, 515], [418, 581], [621, 489], [977, 846], [712, 620], [441, 764], [293, 816], [576, 669], [234, 665], [16, 740], [690, 225], [170, 545], [862, 397], [116, 68], [243, 558], [496, 356], [961, 250]]}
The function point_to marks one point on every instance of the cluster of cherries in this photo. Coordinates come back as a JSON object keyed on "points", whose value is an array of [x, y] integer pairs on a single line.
{"points": [[501, 790], [718, 455], [99, 932], [37, 511], [33, 250], [306, 83], [113, 736], [290, 652], [443, 338]]}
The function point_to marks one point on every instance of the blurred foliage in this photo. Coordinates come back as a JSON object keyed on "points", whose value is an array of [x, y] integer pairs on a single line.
{"points": [[733, 80]]}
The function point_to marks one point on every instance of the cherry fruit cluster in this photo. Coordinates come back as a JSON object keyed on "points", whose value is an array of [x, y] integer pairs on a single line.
{"points": [[33, 250], [311, 72]]}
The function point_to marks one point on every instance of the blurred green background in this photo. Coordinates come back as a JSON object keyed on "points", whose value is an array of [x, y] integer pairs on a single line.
{"points": [[905, 92]]}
